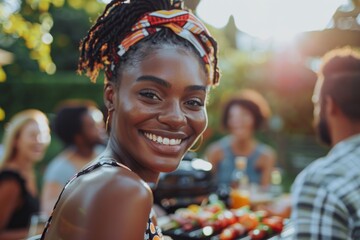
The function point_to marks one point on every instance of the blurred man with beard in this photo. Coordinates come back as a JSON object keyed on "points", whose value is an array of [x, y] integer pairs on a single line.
{"points": [[326, 194]]}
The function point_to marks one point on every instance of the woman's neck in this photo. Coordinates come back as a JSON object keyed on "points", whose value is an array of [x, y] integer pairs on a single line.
{"points": [[115, 151], [21, 163]]}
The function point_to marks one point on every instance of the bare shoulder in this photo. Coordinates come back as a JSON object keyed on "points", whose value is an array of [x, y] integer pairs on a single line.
{"points": [[119, 181], [105, 199], [9, 188], [112, 185]]}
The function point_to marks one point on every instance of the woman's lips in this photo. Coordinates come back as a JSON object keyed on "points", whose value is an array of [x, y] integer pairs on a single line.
{"points": [[163, 144]]}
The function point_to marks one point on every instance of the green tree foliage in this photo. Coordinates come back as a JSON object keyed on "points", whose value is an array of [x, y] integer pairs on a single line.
{"points": [[31, 22], [44, 36]]}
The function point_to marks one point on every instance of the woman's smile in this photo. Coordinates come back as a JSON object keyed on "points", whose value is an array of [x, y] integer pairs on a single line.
{"points": [[162, 139], [166, 143]]}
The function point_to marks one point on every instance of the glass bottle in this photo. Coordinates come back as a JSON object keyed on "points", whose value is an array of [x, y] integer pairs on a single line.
{"points": [[240, 194], [276, 183]]}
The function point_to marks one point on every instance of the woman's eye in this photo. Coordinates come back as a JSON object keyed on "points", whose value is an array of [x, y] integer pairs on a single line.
{"points": [[195, 103], [149, 94]]}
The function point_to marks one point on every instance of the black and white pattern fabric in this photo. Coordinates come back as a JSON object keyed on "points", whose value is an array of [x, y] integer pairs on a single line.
{"points": [[326, 195]]}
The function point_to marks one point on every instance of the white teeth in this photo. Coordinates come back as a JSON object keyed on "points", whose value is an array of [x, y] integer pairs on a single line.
{"points": [[162, 140]]}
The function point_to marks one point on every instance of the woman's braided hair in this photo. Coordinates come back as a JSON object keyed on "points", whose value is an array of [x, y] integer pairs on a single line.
{"points": [[99, 48]]}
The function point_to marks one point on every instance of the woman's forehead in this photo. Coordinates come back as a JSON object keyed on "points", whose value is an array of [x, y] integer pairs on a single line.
{"points": [[170, 65]]}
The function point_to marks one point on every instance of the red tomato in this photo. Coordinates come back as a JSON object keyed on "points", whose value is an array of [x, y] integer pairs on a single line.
{"points": [[226, 218], [257, 234], [232, 231], [275, 223], [215, 224], [227, 234]]}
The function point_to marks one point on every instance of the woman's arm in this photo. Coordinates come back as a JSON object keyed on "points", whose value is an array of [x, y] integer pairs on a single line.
{"points": [[10, 194]]}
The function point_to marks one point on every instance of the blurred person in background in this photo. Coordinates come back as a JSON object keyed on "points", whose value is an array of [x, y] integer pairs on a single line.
{"points": [[81, 128], [1, 150], [325, 195], [26, 138], [243, 114]]}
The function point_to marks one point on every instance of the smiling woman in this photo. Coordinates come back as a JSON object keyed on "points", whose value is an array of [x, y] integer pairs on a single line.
{"points": [[159, 62]]}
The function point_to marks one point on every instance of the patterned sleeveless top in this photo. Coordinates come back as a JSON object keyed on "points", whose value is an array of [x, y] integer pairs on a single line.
{"points": [[152, 232]]}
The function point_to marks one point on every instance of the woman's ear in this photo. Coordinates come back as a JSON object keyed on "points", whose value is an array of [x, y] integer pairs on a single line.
{"points": [[109, 96]]}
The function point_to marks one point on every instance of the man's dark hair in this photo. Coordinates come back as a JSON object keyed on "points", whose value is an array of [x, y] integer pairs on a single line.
{"points": [[340, 73], [68, 123]]}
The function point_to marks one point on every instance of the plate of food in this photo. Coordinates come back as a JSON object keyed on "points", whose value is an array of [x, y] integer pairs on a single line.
{"points": [[214, 221]]}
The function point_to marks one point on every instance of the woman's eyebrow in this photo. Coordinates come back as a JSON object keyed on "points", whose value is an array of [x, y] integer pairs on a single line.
{"points": [[197, 88], [166, 84], [157, 80]]}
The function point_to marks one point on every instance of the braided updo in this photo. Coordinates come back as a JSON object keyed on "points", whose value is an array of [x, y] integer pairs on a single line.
{"points": [[99, 48]]}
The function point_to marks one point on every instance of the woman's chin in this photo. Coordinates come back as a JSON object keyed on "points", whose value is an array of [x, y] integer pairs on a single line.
{"points": [[37, 158], [168, 165]]}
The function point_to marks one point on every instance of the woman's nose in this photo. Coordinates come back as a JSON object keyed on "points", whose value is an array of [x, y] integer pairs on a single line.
{"points": [[173, 116]]}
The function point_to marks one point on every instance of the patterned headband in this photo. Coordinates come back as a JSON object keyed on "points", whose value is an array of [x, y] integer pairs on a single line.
{"points": [[182, 23]]}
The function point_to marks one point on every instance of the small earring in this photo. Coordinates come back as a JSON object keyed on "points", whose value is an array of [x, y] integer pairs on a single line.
{"points": [[198, 142]]}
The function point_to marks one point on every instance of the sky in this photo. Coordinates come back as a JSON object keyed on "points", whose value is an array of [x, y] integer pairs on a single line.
{"points": [[265, 19]]}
